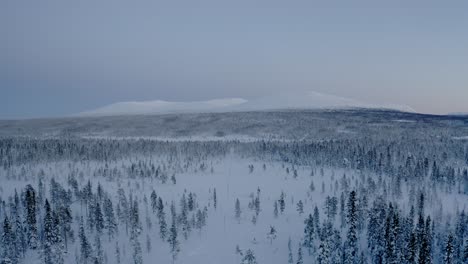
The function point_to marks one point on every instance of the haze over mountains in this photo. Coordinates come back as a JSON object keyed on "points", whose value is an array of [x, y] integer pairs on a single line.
{"points": [[305, 100]]}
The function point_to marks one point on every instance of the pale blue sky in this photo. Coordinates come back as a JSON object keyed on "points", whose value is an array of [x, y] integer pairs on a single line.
{"points": [[63, 57]]}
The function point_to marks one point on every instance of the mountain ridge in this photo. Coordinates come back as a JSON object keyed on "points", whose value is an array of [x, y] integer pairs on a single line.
{"points": [[279, 101]]}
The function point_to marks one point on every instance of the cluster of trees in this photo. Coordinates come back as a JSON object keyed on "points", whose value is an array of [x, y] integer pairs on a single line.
{"points": [[388, 209], [392, 236], [51, 223]]}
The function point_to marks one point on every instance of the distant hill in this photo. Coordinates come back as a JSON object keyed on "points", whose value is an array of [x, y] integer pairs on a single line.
{"points": [[304, 100]]}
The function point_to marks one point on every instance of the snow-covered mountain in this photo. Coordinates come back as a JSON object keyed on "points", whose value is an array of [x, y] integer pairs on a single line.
{"points": [[304, 100], [163, 107]]}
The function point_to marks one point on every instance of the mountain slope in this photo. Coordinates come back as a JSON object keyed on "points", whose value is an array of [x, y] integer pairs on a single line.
{"points": [[304, 100]]}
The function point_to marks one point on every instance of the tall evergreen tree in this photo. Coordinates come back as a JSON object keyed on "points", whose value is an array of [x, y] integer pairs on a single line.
{"points": [[31, 217], [173, 241], [309, 233], [448, 250], [351, 239], [237, 210], [300, 259], [49, 235], [162, 219], [110, 223], [85, 246]]}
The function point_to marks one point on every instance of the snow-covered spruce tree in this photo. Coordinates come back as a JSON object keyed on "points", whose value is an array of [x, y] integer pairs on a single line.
{"points": [[135, 231], [351, 238], [325, 247], [290, 255], [271, 235], [85, 246], [162, 219], [99, 253], [31, 222], [309, 234], [8, 250], [275, 209], [465, 252], [237, 211], [183, 217], [98, 218], [47, 244], [21, 243], [110, 223], [376, 230], [154, 201], [462, 230], [281, 202], [448, 250], [300, 259], [215, 200], [191, 202], [172, 239], [249, 257], [316, 219], [58, 244], [124, 208], [300, 207]]}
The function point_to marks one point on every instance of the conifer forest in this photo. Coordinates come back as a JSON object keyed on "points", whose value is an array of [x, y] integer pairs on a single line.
{"points": [[296, 187]]}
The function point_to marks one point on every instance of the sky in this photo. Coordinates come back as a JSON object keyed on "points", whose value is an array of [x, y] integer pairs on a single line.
{"points": [[62, 57]]}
